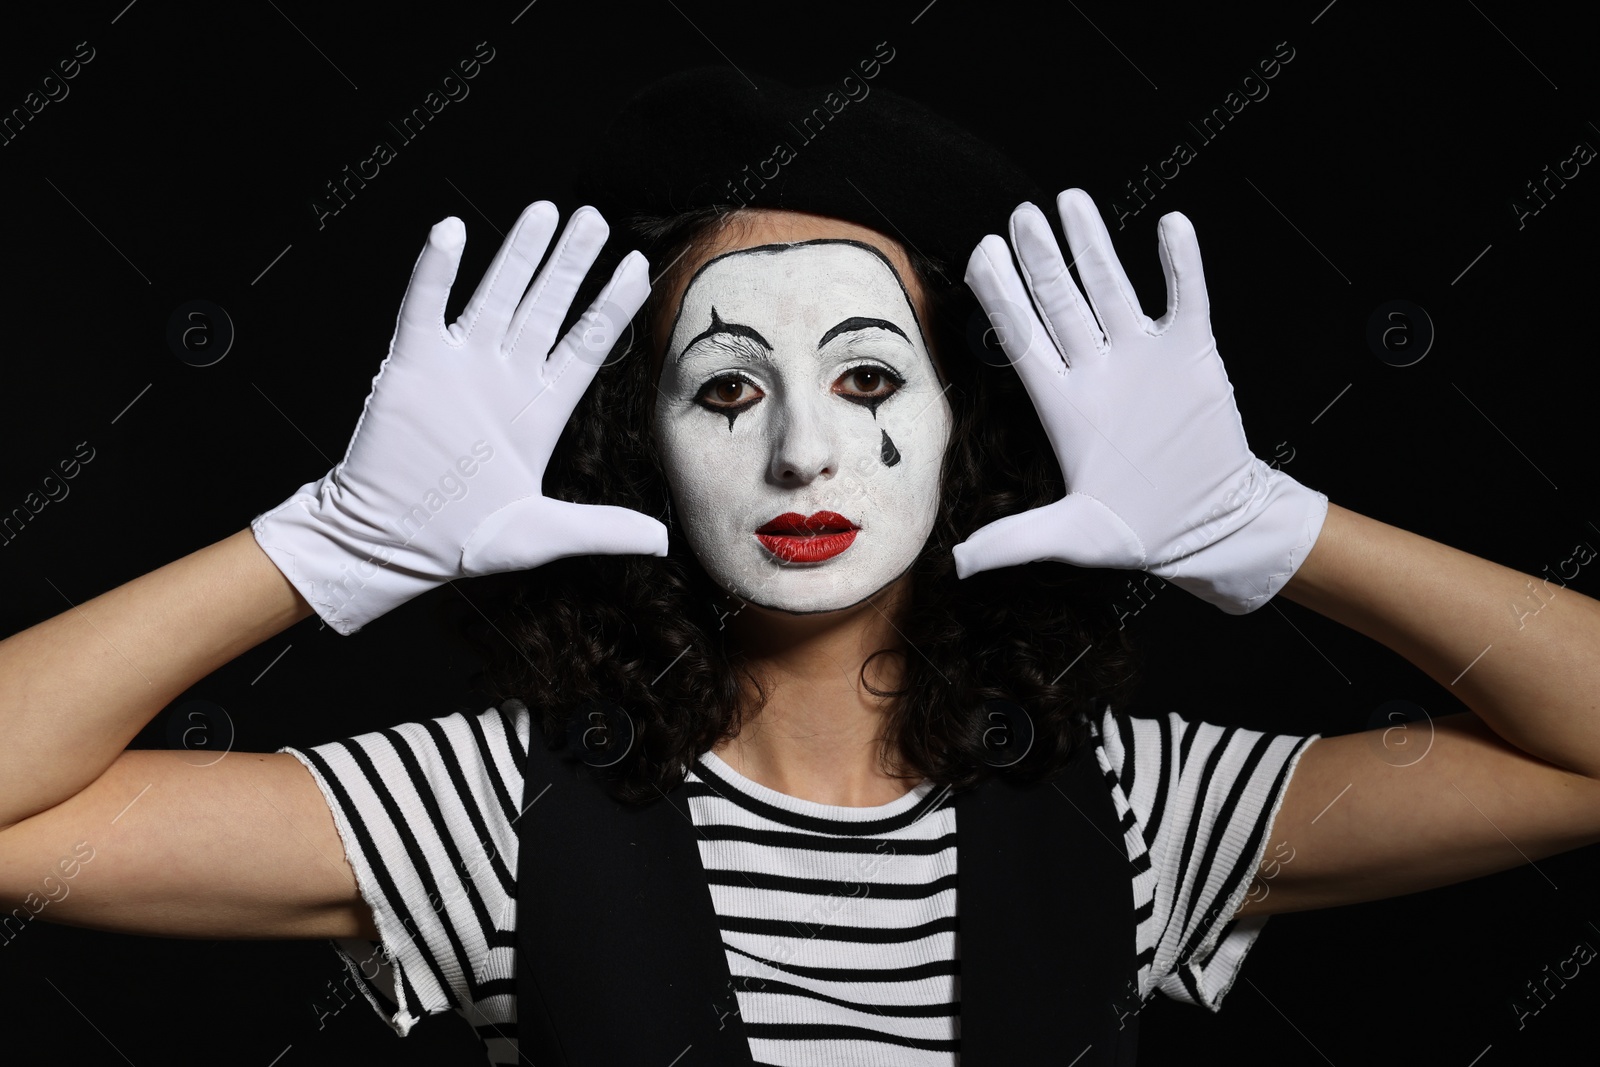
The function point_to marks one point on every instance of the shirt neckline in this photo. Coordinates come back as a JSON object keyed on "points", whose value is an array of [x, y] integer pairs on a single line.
{"points": [[815, 809]]}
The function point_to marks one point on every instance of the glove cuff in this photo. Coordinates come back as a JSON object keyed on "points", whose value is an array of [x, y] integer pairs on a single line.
{"points": [[349, 578], [1246, 565]]}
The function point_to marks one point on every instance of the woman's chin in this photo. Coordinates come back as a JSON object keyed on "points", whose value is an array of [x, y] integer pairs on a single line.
{"points": [[779, 601]]}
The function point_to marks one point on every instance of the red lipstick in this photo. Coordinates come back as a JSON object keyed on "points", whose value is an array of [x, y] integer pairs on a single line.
{"points": [[796, 538]]}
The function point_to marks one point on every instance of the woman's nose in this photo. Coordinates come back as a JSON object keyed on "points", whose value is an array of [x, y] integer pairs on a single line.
{"points": [[804, 444]]}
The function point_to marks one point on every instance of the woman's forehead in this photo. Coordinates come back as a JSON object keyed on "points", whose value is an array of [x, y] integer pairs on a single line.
{"points": [[749, 228], [801, 284], [752, 228], [755, 228]]}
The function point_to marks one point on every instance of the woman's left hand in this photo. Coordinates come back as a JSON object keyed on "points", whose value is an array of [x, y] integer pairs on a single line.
{"points": [[1141, 417]]}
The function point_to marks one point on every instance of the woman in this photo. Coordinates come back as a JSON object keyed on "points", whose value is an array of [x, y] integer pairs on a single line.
{"points": [[823, 775]]}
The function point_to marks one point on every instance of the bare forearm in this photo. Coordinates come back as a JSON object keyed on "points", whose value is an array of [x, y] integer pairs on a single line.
{"points": [[1532, 674], [75, 689]]}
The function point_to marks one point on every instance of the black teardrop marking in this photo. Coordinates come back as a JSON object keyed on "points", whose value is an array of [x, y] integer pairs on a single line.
{"points": [[731, 416], [889, 453]]}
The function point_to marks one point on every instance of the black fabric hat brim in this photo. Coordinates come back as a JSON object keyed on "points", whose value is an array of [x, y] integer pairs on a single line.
{"points": [[706, 137]]}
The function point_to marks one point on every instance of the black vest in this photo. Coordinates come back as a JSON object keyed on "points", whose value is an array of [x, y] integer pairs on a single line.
{"points": [[620, 959]]}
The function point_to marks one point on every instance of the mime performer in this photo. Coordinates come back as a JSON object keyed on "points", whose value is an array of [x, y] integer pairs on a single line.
{"points": [[808, 744]]}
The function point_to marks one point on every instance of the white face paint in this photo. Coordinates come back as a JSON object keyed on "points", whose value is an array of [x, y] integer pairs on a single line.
{"points": [[797, 381]]}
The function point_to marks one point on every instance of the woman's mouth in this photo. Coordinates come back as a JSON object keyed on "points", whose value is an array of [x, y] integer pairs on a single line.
{"points": [[796, 538]]}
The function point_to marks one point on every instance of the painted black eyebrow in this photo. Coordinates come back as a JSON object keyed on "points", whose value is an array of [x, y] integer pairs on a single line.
{"points": [[782, 247], [859, 323], [737, 329]]}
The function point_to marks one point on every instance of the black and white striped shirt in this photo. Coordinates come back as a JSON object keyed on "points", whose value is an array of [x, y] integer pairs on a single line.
{"points": [[425, 814]]}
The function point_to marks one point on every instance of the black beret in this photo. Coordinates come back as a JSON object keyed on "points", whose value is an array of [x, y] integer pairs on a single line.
{"points": [[849, 149]]}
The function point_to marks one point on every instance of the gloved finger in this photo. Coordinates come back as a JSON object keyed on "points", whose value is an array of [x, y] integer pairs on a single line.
{"points": [[603, 530], [1026, 342], [422, 309], [1104, 280], [605, 322], [1049, 281], [539, 316], [535, 530], [1075, 529], [503, 284], [1186, 279], [1013, 323]]}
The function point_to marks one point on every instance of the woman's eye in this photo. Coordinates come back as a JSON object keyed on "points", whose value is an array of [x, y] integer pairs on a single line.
{"points": [[722, 394], [872, 384]]}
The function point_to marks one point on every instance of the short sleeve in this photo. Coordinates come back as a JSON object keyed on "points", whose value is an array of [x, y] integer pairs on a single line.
{"points": [[425, 813], [1197, 802]]}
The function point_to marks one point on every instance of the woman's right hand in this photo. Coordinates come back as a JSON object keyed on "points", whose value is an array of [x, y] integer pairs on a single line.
{"points": [[444, 475]]}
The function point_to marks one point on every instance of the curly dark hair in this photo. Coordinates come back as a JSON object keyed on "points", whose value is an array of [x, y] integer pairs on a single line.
{"points": [[628, 657]]}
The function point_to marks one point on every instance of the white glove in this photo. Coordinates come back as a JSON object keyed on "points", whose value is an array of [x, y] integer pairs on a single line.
{"points": [[1158, 473], [443, 477]]}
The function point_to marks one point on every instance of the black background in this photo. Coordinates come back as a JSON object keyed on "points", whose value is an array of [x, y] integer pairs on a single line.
{"points": [[1383, 163]]}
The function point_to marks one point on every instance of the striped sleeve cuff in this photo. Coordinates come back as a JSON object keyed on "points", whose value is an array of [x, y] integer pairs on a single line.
{"points": [[376, 968], [424, 811], [1213, 946], [1201, 800]]}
